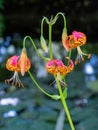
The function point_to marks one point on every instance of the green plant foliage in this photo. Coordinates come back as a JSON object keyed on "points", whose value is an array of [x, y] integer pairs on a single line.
{"points": [[80, 114], [40, 112], [88, 124], [93, 86]]}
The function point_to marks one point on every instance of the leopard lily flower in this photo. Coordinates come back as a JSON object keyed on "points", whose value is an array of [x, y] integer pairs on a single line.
{"points": [[75, 40], [17, 64], [12, 65], [56, 67]]}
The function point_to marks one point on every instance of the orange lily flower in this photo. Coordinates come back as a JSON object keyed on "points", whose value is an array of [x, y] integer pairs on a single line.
{"points": [[12, 65], [56, 67], [75, 40], [16, 65]]}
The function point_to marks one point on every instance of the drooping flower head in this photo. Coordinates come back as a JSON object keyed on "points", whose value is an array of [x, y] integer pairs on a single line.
{"points": [[75, 40], [55, 66], [17, 64], [12, 65]]}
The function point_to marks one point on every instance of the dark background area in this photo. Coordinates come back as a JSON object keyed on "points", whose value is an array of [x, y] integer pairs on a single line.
{"points": [[24, 16]]}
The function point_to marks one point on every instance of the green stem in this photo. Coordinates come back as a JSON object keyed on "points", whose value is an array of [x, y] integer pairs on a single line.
{"points": [[50, 40], [69, 56], [65, 106], [42, 22], [24, 42], [60, 13], [31, 76]]}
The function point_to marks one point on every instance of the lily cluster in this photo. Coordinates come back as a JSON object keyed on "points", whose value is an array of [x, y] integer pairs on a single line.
{"points": [[56, 67], [75, 40]]}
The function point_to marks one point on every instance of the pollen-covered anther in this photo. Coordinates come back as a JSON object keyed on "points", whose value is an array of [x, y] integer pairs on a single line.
{"points": [[80, 56], [14, 80]]}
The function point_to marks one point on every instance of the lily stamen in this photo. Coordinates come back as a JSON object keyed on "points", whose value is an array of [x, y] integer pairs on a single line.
{"points": [[14, 80], [80, 56]]}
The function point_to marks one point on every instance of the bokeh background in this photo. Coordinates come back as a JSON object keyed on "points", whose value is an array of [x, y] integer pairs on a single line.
{"points": [[27, 108]]}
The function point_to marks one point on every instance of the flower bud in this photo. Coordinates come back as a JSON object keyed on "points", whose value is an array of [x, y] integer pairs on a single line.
{"points": [[64, 38], [64, 33], [43, 44]]}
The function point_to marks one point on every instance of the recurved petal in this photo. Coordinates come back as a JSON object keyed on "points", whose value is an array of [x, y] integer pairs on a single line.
{"points": [[24, 62], [11, 64]]}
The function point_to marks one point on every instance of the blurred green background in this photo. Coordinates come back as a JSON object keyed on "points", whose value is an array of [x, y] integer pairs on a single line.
{"points": [[27, 108]]}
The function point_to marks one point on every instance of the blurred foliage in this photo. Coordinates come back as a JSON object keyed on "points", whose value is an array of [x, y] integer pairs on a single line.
{"points": [[36, 111], [93, 85]]}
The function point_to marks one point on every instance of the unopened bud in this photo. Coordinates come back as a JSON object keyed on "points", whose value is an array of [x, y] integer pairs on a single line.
{"points": [[64, 33], [43, 44], [64, 39]]}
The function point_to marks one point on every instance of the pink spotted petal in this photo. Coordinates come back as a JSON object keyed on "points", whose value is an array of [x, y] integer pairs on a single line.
{"points": [[14, 60]]}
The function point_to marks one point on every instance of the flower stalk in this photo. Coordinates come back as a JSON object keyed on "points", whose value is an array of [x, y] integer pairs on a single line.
{"points": [[63, 100], [56, 97], [33, 43], [50, 40]]}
